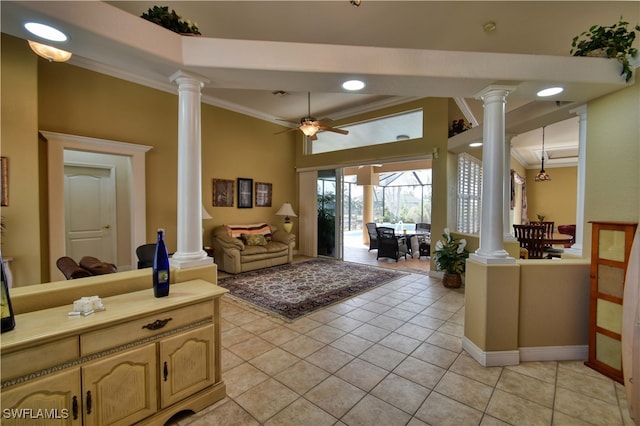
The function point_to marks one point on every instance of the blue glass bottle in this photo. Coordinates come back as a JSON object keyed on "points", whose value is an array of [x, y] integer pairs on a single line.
{"points": [[161, 268]]}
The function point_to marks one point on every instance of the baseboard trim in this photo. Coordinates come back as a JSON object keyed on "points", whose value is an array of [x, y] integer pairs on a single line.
{"points": [[493, 358], [555, 353], [537, 353]]}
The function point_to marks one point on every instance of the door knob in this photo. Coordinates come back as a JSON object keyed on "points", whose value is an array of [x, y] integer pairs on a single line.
{"points": [[107, 226]]}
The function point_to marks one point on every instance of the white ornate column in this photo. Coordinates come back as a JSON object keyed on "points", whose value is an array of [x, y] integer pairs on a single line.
{"points": [[491, 249], [189, 251], [581, 111]]}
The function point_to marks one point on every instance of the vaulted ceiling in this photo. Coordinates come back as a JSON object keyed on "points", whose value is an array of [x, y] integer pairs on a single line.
{"points": [[402, 50]]}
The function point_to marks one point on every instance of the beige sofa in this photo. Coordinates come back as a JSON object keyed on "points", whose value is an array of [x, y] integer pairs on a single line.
{"points": [[234, 252]]}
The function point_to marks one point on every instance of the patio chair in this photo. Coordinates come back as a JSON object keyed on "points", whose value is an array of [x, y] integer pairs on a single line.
{"points": [[390, 245], [373, 235], [423, 231]]}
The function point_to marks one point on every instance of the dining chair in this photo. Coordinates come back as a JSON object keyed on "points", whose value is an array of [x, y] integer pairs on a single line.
{"points": [[531, 237], [390, 245], [146, 253], [549, 228], [373, 235]]}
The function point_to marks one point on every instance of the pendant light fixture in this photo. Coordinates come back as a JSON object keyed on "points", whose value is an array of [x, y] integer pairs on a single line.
{"points": [[542, 175]]}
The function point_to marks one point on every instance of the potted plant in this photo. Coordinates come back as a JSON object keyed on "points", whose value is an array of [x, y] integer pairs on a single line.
{"points": [[458, 126], [614, 41], [171, 20], [450, 256]]}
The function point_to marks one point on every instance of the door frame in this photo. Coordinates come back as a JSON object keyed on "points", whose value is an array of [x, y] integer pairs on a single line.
{"points": [[56, 144]]}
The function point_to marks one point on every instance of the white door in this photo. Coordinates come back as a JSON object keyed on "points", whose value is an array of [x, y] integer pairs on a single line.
{"points": [[89, 212]]}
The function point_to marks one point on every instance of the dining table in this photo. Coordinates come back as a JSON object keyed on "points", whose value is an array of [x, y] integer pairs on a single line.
{"points": [[557, 238]]}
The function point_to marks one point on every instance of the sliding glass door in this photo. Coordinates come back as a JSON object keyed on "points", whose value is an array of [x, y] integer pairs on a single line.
{"points": [[329, 193]]}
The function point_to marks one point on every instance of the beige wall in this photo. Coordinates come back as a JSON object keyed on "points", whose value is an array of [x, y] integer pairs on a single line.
{"points": [[562, 289], [19, 132], [38, 95], [613, 159], [555, 199]]}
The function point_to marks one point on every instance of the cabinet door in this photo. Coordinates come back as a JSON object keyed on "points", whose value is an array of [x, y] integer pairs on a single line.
{"points": [[121, 389], [53, 400], [187, 364], [610, 249]]}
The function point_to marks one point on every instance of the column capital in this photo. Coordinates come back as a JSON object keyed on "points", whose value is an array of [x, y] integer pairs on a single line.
{"points": [[580, 110], [495, 90], [182, 76]]}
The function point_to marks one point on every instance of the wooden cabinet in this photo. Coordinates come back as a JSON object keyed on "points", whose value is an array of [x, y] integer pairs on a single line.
{"points": [[187, 364], [610, 248], [54, 400], [121, 389], [140, 361]]}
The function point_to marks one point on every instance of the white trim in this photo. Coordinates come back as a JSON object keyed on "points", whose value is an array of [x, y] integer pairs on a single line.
{"points": [[490, 359], [466, 111], [56, 144], [554, 353]]}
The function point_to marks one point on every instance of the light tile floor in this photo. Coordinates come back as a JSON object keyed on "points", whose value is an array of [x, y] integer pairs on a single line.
{"points": [[391, 356]]}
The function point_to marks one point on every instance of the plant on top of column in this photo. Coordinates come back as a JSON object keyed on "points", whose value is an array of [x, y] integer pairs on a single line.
{"points": [[171, 20], [613, 41]]}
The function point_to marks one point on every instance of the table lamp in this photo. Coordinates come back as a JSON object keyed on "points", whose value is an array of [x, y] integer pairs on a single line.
{"points": [[286, 210]]}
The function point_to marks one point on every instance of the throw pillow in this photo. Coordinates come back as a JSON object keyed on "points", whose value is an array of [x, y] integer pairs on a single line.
{"points": [[254, 240]]}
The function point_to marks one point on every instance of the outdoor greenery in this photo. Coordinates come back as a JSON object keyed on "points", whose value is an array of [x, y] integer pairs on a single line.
{"points": [[326, 223]]}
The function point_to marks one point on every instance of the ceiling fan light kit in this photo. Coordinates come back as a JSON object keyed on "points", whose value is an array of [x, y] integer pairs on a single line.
{"points": [[310, 126]]}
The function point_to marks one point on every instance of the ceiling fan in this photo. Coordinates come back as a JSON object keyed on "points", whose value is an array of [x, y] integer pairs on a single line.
{"points": [[310, 126]]}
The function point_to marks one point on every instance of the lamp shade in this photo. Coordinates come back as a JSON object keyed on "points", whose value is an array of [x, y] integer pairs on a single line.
{"points": [[49, 52], [309, 128], [286, 210]]}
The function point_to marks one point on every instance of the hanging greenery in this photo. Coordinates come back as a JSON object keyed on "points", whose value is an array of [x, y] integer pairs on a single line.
{"points": [[614, 41]]}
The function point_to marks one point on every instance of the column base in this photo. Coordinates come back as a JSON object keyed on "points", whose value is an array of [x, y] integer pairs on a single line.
{"points": [[495, 258], [186, 260]]}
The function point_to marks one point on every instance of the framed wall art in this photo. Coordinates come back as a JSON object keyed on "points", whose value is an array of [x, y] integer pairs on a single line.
{"points": [[222, 193], [263, 194], [4, 185], [245, 193]]}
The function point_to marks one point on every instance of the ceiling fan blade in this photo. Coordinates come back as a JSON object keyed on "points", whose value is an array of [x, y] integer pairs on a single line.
{"points": [[288, 121], [334, 129], [286, 131], [324, 121]]}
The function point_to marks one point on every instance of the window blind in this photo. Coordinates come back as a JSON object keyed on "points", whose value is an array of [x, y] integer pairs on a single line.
{"points": [[469, 194]]}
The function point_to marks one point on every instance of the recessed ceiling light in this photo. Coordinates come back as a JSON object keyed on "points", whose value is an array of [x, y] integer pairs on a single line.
{"points": [[550, 91], [475, 144], [45, 31], [353, 85]]}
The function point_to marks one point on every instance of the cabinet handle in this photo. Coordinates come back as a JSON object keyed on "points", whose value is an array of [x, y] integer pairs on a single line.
{"points": [[74, 408], [88, 402], [166, 371], [157, 324]]}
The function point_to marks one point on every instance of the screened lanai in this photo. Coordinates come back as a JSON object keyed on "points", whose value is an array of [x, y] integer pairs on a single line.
{"points": [[400, 199]]}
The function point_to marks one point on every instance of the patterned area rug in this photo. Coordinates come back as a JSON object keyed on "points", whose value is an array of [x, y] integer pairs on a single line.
{"points": [[292, 291]]}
